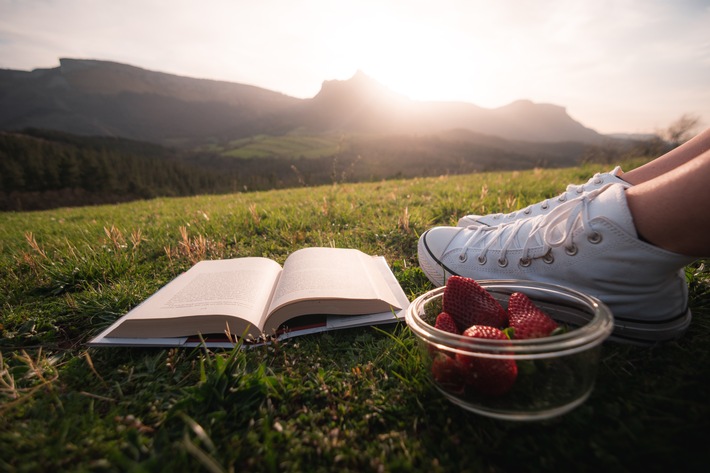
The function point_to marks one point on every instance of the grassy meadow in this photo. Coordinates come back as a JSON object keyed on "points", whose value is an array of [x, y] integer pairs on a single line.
{"points": [[353, 400], [286, 146]]}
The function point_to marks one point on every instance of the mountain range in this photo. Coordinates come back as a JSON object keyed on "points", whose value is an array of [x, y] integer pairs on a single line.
{"points": [[92, 97]]}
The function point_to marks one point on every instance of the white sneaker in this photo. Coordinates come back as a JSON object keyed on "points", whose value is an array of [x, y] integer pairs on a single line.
{"points": [[589, 244], [597, 181]]}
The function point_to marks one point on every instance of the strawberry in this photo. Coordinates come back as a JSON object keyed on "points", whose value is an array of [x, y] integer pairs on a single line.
{"points": [[446, 323], [488, 376], [469, 304], [526, 319], [447, 372]]}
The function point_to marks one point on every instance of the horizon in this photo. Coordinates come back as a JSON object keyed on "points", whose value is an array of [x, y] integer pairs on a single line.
{"points": [[631, 67]]}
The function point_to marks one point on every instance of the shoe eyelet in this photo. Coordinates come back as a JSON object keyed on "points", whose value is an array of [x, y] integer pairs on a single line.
{"points": [[481, 259], [571, 250], [594, 238], [548, 258], [525, 262], [562, 198], [503, 262], [580, 191], [544, 206], [527, 211], [463, 257]]}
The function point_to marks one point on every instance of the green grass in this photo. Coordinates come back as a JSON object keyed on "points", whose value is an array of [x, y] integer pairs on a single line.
{"points": [[285, 146], [355, 400]]}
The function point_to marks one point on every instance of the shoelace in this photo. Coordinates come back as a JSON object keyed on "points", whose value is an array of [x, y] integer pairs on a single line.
{"points": [[540, 232], [545, 204]]}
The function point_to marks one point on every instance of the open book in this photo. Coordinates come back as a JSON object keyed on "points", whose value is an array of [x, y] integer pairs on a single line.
{"points": [[318, 289]]}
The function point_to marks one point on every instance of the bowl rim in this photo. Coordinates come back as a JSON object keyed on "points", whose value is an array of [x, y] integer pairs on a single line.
{"points": [[590, 334]]}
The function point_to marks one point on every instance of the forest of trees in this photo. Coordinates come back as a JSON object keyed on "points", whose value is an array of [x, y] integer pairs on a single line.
{"points": [[42, 169]]}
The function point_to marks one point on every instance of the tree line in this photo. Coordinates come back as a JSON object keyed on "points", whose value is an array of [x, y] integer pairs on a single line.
{"points": [[41, 169], [45, 169]]}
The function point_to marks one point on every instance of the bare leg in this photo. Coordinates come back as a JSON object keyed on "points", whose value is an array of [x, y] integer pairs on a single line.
{"points": [[671, 160], [659, 167], [672, 210]]}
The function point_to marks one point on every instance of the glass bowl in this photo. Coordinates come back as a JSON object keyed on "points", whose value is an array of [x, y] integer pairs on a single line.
{"points": [[555, 374]]}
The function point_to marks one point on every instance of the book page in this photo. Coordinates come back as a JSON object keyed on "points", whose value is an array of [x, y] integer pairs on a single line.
{"points": [[204, 299], [330, 280]]}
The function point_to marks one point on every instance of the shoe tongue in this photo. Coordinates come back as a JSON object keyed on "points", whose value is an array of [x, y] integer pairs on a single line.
{"points": [[610, 204]]}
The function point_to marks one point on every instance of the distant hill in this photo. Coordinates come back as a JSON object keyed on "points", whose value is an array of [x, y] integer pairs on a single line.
{"points": [[363, 105], [103, 98], [90, 97]]}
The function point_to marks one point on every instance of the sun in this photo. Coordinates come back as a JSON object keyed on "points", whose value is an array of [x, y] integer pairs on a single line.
{"points": [[421, 60]]}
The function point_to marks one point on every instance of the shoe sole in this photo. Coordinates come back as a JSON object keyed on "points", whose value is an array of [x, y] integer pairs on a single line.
{"points": [[625, 330], [651, 332]]}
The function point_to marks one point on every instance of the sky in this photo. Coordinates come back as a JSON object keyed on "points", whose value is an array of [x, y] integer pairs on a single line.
{"points": [[631, 66]]}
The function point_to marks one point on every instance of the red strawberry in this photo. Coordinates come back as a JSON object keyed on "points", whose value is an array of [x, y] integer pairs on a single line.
{"points": [[526, 319], [489, 376], [469, 304], [447, 372], [446, 323]]}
